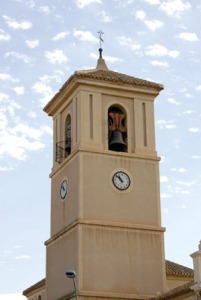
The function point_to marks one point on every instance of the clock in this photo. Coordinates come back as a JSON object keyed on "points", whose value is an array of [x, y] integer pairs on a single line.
{"points": [[64, 189], [121, 180]]}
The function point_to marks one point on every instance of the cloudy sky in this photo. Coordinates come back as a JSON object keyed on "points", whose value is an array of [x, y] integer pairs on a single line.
{"points": [[42, 42]]}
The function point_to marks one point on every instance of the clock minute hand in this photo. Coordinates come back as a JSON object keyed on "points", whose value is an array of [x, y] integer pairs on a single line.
{"points": [[118, 176]]}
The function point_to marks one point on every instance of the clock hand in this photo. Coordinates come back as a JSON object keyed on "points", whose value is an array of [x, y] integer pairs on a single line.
{"points": [[118, 176]]}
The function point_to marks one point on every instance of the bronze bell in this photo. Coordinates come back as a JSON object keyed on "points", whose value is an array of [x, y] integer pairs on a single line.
{"points": [[116, 142]]}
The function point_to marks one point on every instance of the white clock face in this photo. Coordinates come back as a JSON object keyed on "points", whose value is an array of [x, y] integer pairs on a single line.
{"points": [[64, 189], [121, 180]]}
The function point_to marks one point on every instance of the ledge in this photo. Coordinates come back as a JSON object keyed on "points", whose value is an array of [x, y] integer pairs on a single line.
{"points": [[114, 225]]}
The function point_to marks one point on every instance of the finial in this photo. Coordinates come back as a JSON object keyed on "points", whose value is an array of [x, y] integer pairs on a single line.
{"points": [[101, 40], [101, 65]]}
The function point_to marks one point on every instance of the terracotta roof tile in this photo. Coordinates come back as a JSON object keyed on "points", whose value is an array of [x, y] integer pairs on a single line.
{"points": [[107, 76], [115, 77], [173, 269], [178, 291]]}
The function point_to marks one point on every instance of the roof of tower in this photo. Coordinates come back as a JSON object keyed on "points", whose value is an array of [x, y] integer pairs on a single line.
{"points": [[102, 74]]}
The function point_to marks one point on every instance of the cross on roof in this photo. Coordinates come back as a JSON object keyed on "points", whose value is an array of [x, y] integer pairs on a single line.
{"points": [[100, 38]]}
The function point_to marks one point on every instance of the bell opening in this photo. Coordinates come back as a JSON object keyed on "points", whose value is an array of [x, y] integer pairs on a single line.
{"points": [[117, 131]]}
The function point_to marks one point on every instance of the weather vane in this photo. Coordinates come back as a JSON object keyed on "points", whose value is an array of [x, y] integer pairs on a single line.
{"points": [[100, 38]]}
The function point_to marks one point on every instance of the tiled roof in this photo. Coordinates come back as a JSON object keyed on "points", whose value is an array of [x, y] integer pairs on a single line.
{"points": [[107, 76], [112, 77], [39, 284], [178, 291], [173, 269], [115, 77]]}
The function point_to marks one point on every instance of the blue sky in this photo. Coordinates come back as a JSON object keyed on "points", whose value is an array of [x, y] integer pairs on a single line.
{"points": [[41, 44]]}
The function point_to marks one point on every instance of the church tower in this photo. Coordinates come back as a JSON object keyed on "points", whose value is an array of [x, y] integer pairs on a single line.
{"points": [[105, 198]]}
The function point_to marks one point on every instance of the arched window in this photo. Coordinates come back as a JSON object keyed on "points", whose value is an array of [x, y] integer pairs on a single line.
{"points": [[68, 136], [117, 131], [39, 297]]}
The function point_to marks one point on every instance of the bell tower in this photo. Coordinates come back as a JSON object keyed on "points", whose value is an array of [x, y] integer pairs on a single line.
{"points": [[105, 198]]}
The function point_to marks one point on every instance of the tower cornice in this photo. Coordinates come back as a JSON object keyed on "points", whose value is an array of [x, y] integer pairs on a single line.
{"points": [[106, 78]]}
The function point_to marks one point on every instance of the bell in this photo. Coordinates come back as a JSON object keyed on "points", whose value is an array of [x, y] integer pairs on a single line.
{"points": [[116, 142]]}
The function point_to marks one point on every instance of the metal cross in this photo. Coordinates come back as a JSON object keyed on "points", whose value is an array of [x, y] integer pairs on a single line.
{"points": [[100, 33]]}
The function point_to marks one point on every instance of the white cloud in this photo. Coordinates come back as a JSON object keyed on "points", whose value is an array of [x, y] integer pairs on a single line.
{"points": [[45, 90], [128, 42], [43, 86], [185, 193], [6, 169], [83, 3], [124, 3], [106, 18], [193, 129], [12, 23], [164, 179], [188, 36], [31, 114], [56, 56], [9, 105], [44, 9], [26, 130], [4, 36], [173, 101], [165, 196], [188, 112], [153, 24], [48, 130], [19, 90], [111, 59], [198, 88], [159, 51], [3, 120], [23, 257], [60, 36], [140, 15], [153, 2], [166, 124], [163, 64], [196, 156], [26, 59], [170, 126], [85, 36], [187, 184], [8, 77], [16, 142], [174, 7], [32, 43], [179, 170]]}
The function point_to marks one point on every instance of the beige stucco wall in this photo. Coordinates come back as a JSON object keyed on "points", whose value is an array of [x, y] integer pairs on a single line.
{"points": [[173, 281], [62, 254], [108, 260], [92, 195]]}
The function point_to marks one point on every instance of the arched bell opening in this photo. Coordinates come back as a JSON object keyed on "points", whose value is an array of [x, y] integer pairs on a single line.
{"points": [[68, 136], [117, 129]]}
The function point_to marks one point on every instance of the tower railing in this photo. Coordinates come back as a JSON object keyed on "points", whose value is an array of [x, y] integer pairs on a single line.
{"points": [[63, 149]]}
